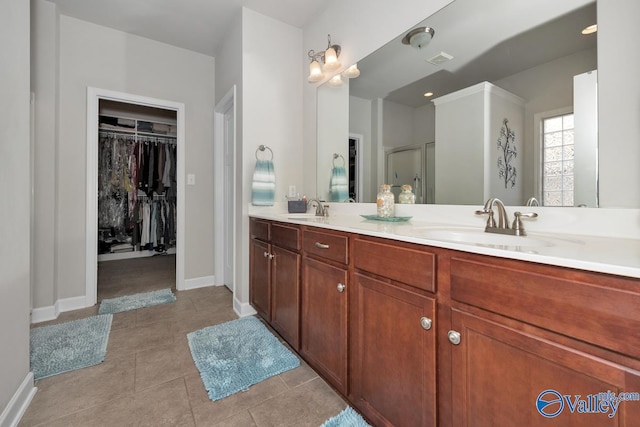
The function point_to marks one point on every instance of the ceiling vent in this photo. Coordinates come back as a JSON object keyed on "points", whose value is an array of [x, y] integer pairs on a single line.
{"points": [[440, 58]]}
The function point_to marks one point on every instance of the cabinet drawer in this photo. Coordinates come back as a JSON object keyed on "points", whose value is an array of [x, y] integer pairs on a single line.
{"points": [[403, 262], [285, 236], [259, 229], [333, 246], [591, 307]]}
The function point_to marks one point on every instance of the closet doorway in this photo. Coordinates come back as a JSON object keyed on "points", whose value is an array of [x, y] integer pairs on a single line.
{"points": [[135, 209]]}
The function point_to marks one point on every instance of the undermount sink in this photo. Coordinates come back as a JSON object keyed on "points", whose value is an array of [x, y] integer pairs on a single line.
{"points": [[480, 237]]}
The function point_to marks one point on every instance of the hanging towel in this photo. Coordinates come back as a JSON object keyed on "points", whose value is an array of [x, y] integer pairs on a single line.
{"points": [[338, 186], [263, 188]]}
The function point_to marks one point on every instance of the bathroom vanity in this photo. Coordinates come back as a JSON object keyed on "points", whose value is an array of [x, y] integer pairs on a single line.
{"points": [[416, 331]]}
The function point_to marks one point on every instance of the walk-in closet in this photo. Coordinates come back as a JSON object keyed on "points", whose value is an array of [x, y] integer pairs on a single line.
{"points": [[137, 195]]}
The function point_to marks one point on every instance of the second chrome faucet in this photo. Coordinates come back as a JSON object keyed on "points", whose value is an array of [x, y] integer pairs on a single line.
{"points": [[502, 226]]}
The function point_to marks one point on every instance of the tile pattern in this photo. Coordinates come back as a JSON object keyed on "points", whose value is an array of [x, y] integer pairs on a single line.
{"points": [[149, 379]]}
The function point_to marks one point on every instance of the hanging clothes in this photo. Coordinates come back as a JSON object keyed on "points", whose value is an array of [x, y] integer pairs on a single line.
{"points": [[136, 192]]}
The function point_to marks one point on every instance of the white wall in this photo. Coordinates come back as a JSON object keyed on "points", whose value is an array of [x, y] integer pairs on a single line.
{"points": [[44, 83], [271, 115], [618, 103], [397, 125], [15, 205], [96, 56], [424, 124], [459, 150], [585, 120], [360, 123]]}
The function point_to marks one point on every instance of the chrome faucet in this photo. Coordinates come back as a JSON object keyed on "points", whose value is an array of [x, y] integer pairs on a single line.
{"points": [[502, 227], [321, 210]]}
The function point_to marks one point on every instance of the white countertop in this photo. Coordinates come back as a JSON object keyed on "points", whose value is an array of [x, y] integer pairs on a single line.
{"points": [[454, 228]]}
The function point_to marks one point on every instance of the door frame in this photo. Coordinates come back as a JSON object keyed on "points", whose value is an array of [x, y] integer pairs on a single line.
{"points": [[94, 95], [220, 219]]}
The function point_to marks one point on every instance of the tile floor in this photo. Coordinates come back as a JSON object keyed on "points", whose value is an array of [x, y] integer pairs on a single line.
{"points": [[148, 377]]}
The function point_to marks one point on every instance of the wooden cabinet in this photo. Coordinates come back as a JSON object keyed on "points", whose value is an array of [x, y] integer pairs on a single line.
{"points": [[325, 291], [260, 277], [499, 370], [393, 353], [525, 329], [275, 276], [414, 335]]}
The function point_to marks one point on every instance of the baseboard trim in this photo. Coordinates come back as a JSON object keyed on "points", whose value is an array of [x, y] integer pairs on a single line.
{"points": [[198, 282], [243, 309], [19, 403], [44, 314]]}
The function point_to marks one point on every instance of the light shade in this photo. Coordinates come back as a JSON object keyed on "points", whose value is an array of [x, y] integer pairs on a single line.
{"points": [[419, 37], [351, 72], [315, 72], [331, 62], [336, 81]]}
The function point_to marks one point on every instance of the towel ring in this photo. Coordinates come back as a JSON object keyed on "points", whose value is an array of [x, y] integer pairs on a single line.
{"points": [[262, 148], [335, 156]]}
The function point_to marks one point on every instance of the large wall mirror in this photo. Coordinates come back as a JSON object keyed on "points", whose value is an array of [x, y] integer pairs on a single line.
{"points": [[488, 62]]}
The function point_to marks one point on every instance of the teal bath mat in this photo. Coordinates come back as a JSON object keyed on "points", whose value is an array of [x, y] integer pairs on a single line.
{"points": [[235, 355], [132, 302], [347, 418], [69, 346]]}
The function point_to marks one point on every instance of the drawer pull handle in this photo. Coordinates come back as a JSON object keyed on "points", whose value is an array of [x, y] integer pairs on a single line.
{"points": [[321, 245], [341, 287], [426, 323], [266, 254], [454, 337]]}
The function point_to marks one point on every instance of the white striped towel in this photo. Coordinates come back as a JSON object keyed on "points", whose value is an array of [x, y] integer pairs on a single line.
{"points": [[338, 187], [263, 187]]}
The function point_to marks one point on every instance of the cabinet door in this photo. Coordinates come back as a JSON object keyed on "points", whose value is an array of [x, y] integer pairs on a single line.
{"points": [[324, 320], [285, 286], [500, 375], [393, 354], [260, 276]]}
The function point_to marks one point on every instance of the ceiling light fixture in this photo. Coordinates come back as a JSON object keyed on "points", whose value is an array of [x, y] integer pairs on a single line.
{"points": [[428, 94], [590, 29], [419, 37], [329, 58]]}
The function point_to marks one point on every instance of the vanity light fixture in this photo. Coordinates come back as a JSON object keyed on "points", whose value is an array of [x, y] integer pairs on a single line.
{"points": [[590, 29], [336, 81], [329, 58], [352, 72], [419, 37]]}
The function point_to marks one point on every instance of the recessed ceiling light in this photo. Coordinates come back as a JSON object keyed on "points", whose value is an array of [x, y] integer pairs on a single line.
{"points": [[590, 29], [428, 94]]}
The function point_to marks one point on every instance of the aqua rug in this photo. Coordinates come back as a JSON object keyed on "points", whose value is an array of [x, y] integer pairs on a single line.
{"points": [[68, 346], [235, 355], [132, 302], [347, 418]]}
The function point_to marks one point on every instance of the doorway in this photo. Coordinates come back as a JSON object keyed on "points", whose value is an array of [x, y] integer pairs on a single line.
{"points": [[94, 233], [225, 190], [356, 169]]}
